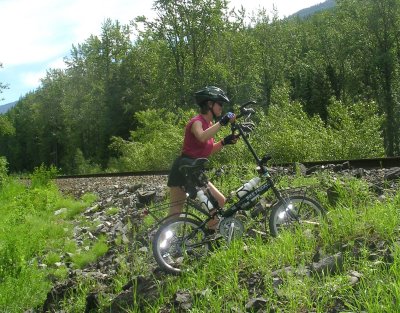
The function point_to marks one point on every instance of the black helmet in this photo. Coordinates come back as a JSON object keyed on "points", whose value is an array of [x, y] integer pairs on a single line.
{"points": [[210, 93]]}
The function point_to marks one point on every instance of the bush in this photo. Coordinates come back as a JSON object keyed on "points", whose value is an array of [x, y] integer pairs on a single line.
{"points": [[351, 131], [3, 170], [285, 132], [42, 176], [155, 143], [83, 166]]}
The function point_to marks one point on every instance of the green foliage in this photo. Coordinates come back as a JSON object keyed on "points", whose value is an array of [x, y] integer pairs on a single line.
{"points": [[355, 130], [83, 166], [346, 55], [71, 207], [351, 131], [31, 232], [6, 128], [3, 170], [285, 132], [85, 257], [155, 143], [42, 176]]}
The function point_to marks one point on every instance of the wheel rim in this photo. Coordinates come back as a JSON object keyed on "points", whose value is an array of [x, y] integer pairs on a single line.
{"points": [[180, 243], [297, 214]]}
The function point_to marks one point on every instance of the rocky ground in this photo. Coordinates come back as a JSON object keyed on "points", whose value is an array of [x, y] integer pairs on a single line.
{"points": [[130, 195]]}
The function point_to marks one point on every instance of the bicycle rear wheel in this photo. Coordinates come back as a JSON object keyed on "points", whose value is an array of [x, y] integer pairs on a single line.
{"points": [[295, 212], [178, 242]]}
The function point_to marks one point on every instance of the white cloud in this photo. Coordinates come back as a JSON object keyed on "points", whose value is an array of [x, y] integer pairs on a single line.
{"points": [[34, 31], [32, 79], [57, 64], [283, 7], [39, 33]]}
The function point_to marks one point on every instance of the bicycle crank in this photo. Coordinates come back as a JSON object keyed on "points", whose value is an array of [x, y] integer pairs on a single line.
{"points": [[231, 228]]}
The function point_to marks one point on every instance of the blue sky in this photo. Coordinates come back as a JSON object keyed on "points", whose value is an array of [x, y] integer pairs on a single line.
{"points": [[36, 35]]}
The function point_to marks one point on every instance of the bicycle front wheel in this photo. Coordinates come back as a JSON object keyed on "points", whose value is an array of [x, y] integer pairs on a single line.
{"points": [[295, 212], [178, 242]]}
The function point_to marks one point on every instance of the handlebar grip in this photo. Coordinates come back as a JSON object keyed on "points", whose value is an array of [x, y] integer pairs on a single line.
{"points": [[247, 103]]}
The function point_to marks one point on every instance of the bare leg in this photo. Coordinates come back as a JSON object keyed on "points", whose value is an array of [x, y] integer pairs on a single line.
{"points": [[217, 195], [221, 202], [178, 197]]}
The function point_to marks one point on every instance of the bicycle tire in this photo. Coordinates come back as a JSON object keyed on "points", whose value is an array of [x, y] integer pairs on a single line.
{"points": [[177, 243], [294, 212]]}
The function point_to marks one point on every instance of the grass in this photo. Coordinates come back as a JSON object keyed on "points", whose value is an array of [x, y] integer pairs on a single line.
{"points": [[31, 234], [362, 227]]}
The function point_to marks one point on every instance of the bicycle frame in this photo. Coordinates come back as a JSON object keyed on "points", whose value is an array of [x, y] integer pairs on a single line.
{"points": [[249, 200]]}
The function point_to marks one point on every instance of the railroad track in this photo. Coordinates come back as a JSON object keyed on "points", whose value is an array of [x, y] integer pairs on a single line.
{"points": [[388, 162]]}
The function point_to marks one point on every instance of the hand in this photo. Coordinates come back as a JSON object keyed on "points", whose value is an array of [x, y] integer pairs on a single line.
{"points": [[230, 139], [228, 117]]}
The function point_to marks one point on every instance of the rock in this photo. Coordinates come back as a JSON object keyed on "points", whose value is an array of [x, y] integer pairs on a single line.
{"points": [[183, 301], [92, 303], [333, 195], [328, 265], [60, 211], [392, 174], [57, 294], [255, 304], [146, 197]]}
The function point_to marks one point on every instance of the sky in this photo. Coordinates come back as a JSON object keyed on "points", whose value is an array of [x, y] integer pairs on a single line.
{"points": [[35, 35]]}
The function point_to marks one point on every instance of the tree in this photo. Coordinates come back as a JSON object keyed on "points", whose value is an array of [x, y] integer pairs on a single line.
{"points": [[2, 85], [373, 29], [190, 30]]}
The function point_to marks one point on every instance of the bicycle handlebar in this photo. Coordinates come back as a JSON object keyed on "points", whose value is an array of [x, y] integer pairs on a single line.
{"points": [[246, 111]]}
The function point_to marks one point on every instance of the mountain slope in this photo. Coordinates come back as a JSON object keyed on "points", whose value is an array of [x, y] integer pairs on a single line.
{"points": [[4, 108], [314, 9]]}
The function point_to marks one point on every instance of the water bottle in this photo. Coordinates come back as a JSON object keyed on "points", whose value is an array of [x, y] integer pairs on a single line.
{"points": [[247, 187], [205, 202], [254, 181]]}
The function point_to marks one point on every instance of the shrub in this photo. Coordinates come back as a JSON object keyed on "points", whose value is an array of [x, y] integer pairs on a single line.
{"points": [[284, 131], [83, 166], [43, 175], [154, 144], [351, 131], [3, 170]]}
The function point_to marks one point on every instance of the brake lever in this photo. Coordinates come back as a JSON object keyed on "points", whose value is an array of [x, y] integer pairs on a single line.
{"points": [[248, 127]]}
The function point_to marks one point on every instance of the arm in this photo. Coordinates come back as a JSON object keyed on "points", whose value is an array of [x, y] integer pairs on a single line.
{"points": [[203, 135], [217, 147]]}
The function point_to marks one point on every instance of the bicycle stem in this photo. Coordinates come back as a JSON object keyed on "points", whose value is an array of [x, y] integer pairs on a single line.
{"points": [[259, 161], [247, 142]]}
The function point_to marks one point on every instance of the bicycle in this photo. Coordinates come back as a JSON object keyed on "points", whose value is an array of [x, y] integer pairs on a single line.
{"points": [[184, 237]]}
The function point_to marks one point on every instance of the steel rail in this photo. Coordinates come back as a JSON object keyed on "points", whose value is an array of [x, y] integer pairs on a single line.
{"points": [[388, 162]]}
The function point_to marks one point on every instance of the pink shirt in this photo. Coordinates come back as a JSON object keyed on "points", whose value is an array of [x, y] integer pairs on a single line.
{"points": [[191, 146]]}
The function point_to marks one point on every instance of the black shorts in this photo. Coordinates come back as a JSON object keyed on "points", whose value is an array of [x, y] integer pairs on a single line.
{"points": [[175, 177]]}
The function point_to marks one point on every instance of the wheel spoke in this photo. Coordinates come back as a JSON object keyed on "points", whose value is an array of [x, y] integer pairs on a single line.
{"points": [[295, 212], [178, 243]]}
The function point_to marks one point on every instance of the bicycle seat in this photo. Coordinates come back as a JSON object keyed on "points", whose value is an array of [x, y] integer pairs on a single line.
{"points": [[190, 165], [193, 170]]}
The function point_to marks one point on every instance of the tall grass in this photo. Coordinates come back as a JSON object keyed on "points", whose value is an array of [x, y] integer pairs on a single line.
{"points": [[32, 235], [277, 271], [231, 276]]}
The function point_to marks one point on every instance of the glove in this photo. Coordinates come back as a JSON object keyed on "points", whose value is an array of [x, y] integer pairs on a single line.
{"points": [[226, 118], [230, 139]]}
